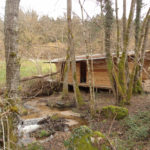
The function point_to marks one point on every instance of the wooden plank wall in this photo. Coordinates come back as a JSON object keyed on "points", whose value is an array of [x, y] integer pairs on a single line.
{"points": [[77, 72], [147, 66], [101, 77], [145, 75]]}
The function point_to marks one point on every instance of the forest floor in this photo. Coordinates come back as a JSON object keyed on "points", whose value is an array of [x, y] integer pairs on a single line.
{"points": [[131, 133]]}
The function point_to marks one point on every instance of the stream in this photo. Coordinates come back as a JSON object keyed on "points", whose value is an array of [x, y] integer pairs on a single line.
{"points": [[38, 110]]}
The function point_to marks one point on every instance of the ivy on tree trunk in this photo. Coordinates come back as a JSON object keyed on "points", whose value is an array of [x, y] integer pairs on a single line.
{"points": [[124, 82]]}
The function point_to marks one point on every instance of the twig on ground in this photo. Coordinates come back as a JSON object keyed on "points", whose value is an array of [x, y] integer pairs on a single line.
{"points": [[3, 131], [109, 131]]}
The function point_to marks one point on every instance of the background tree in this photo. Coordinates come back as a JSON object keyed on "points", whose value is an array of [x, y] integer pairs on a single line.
{"points": [[49, 35]]}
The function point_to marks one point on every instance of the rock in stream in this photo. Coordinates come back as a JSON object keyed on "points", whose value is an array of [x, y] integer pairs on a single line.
{"points": [[42, 118]]}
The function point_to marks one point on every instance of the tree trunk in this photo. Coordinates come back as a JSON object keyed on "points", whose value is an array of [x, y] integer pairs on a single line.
{"points": [[78, 97], [89, 67], [145, 36], [65, 76], [137, 88], [124, 19], [121, 80], [12, 69], [118, 31], [102, 31], [108, 29], [11, 47]]}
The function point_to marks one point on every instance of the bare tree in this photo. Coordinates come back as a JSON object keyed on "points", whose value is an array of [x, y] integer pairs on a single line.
{"points": [[118, 30], [11, 47], [141, 33], [89, 67], [143, 37], [123, 81], [124, 19], [78, 97]]}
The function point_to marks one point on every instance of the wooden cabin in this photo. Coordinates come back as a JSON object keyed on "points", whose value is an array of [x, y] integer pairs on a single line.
{"points": [[101, 78]]}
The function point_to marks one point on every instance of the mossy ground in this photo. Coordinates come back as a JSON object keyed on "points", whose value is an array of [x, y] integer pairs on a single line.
{"points": [[131, 133], [118, 131]]}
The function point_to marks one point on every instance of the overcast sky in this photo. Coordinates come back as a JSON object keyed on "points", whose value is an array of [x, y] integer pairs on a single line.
{"points": [[57, 8]]}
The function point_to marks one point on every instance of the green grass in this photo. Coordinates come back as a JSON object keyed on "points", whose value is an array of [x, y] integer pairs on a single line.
{"points": [[137, 126], [44, 133], [2, 72], [33, 146], [28, 68], [136, 132]]}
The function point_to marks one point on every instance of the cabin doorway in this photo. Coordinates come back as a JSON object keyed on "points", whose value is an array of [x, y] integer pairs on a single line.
{"points": [[83, 72]]}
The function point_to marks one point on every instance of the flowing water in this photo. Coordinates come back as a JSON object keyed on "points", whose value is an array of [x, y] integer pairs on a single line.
{"points": [[37, 110]]}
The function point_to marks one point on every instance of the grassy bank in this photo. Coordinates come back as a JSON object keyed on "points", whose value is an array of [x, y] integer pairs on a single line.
{"points": [[28, 68]]}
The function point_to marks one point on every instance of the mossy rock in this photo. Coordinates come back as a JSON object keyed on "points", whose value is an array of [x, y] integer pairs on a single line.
{"points": [[85, 138], [62, 104], [114, 111]]}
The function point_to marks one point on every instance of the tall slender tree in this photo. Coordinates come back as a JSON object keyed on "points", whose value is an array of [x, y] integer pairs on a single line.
{"points": [[67, 63], [11, 47], [118, 30], [78, 97], [89, 63], [124, 81], [140, 52]]}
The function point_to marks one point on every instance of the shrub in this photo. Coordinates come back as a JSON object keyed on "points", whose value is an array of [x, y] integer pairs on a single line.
{"points": [[114, 111], [84, 138], [44, 133], [138, 126]]}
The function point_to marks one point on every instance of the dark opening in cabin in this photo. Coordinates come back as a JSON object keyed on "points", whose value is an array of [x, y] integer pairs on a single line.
{"points": [[82, 72]]}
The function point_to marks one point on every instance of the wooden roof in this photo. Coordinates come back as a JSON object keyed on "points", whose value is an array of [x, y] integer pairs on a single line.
{"points": [[91, 57]]}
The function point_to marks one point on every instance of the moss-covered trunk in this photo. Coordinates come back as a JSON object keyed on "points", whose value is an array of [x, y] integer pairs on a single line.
{"points": [[137, 87], [10, 105], [122, 81], [11, 47], [65, 76]]}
